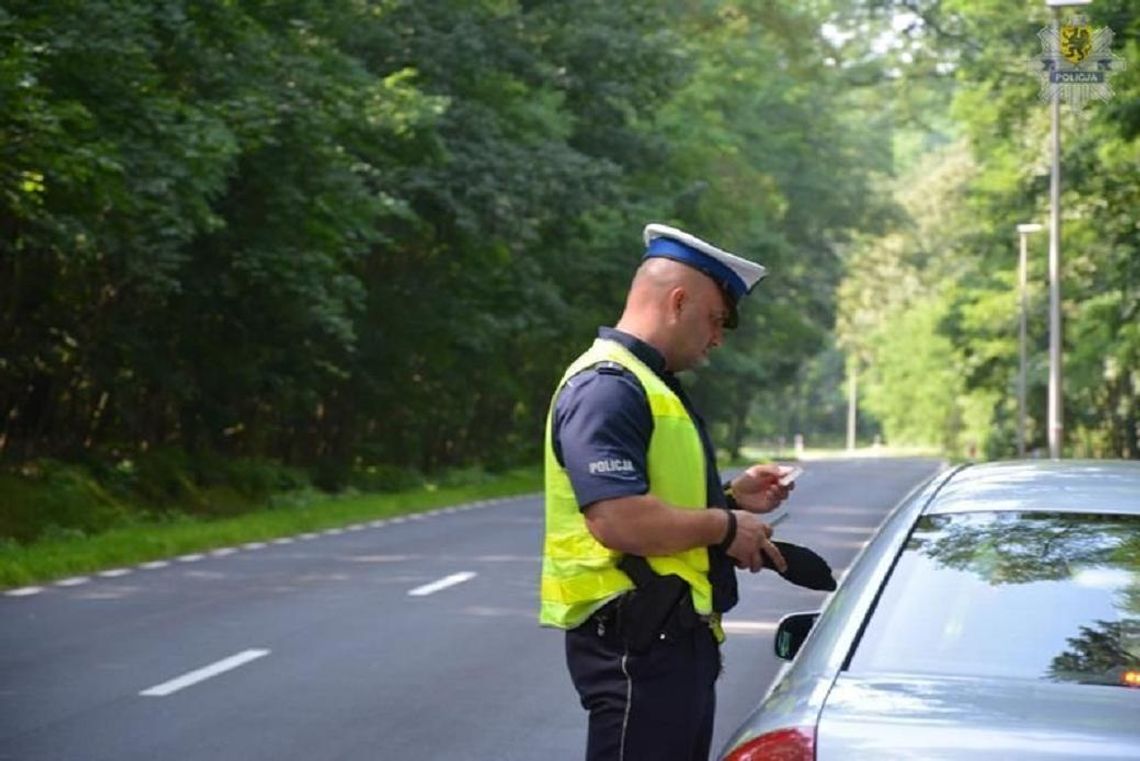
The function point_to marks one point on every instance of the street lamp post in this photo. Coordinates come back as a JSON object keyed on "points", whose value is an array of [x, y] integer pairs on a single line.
{"points": [[1056, 424], [852, 400], [1023, 231]]}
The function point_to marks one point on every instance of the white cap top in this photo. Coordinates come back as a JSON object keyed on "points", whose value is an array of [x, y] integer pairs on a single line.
{"points": [[735, 275]]}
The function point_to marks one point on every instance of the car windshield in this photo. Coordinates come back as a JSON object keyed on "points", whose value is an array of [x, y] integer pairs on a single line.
{"points": [[1050, 596]]}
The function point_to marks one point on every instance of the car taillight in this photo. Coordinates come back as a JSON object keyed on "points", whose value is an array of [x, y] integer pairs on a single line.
{"points": [[792, 744]]}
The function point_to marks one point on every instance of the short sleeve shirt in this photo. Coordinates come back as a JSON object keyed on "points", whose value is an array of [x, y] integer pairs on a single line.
{"points": [[601, 430]]}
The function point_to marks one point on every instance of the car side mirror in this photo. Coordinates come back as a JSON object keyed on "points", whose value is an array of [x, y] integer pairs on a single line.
{"points": [[791, 632]]}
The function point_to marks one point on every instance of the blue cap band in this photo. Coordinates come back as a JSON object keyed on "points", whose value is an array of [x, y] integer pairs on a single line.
{"points": [[714, 268]]}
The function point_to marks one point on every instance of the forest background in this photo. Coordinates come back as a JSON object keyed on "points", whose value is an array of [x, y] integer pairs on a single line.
{"points": [[248, 247]]}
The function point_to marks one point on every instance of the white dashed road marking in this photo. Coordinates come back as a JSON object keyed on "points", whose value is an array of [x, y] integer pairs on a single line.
{"points": [[204, 673], [444, 583], [748, 627]]}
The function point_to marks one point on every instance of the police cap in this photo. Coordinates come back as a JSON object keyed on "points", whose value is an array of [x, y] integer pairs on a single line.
{"points": [[735, 275]]}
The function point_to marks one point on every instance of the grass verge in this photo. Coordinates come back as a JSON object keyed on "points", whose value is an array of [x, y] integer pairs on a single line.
{"points": [[56, 558]]}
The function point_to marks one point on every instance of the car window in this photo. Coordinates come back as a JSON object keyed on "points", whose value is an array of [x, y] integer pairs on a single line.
{"points": [[1051, 596]]}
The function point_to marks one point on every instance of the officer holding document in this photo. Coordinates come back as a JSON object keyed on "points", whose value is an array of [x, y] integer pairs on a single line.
{"points": [[642, 539]]}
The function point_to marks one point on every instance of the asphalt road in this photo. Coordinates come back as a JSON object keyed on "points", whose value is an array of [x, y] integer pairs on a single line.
{"points": [[405, 639]]}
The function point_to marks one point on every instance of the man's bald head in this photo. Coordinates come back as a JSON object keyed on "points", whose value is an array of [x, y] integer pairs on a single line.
{"points": [[659, 275], [671, 306]]}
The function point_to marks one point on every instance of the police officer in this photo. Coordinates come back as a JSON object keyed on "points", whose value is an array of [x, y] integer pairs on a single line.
{"points": [[630, 477]]}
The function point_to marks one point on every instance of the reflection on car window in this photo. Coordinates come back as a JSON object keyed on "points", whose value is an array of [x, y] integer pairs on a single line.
{"points": [[1052, 596]]}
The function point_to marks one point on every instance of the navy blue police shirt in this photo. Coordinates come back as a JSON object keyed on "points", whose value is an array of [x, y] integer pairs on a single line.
{"points": [[601, 429]]}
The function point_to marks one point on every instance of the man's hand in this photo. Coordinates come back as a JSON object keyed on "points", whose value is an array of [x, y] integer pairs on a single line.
{"points": [[752, 548], [758, 489]]}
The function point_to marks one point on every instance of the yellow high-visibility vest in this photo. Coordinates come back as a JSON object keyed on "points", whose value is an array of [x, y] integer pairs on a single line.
{"points": [[579, 574]]}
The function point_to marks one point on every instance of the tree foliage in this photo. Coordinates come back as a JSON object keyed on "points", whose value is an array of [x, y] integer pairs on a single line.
{"points": [[353, 233], [949, 269], [347, 233]]}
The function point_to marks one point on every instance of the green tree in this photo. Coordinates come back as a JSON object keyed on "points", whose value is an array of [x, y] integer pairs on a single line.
{"points": [[982, 50]]}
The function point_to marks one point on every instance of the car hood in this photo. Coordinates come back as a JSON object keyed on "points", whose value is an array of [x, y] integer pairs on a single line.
{"points": [[886, 716]]}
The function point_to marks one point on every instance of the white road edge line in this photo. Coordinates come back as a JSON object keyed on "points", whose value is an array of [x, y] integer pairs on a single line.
{"points": [[204, 673], [444, 583]]}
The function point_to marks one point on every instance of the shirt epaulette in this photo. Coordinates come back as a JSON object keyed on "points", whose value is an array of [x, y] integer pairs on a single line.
{"points": [[610, 368]]}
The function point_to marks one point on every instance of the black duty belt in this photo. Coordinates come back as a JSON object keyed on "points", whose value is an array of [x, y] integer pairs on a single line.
{"points": [[658, 608]]}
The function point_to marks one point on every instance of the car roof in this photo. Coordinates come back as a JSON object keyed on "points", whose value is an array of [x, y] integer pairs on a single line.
{"points": [[1079, 486]]}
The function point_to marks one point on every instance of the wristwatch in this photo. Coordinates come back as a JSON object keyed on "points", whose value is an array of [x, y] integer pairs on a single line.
{"points": [[729, 497]]}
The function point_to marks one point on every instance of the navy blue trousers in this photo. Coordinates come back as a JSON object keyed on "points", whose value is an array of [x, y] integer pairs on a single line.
{"points": [[654, 706]]}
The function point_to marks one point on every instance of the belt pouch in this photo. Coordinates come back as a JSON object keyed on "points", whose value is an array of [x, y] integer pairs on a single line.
{"points": [[644, 613]]}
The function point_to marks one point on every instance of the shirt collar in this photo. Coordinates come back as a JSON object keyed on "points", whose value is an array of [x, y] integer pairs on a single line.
{"points": [[652, 358]]}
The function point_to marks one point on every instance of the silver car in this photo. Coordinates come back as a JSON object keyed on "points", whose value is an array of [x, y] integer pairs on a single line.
{"points": [[994, 615]]}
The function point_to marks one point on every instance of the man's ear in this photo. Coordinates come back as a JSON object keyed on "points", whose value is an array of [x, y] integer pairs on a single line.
{"points": [[677, 300]]}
